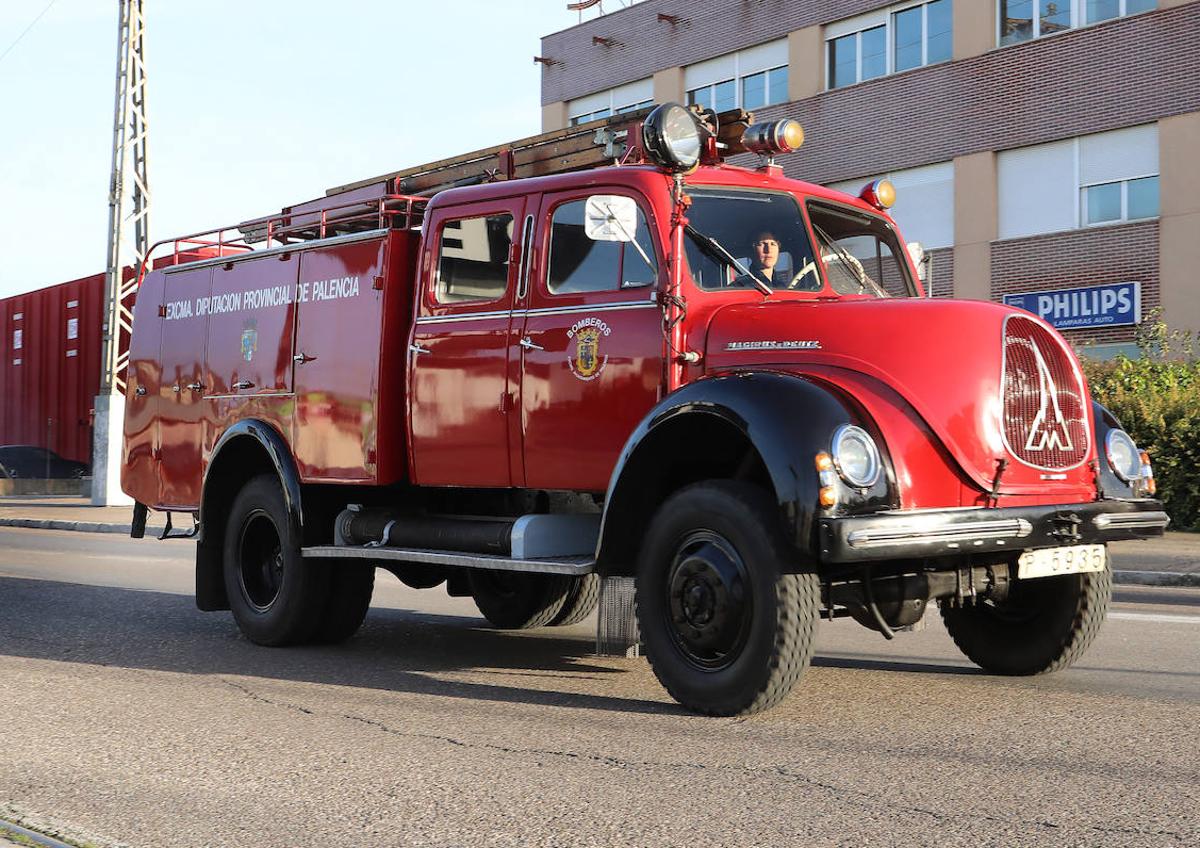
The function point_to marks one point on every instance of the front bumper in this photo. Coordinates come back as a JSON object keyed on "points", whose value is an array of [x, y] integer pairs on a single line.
{"points": [[918, 534]]}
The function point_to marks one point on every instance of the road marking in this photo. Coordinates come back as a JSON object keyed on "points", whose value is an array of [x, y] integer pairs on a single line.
{"points": [[1155, 616]]}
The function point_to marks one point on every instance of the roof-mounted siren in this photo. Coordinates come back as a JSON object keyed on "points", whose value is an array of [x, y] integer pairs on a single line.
{"points": [[772, 138], [880, 193]]}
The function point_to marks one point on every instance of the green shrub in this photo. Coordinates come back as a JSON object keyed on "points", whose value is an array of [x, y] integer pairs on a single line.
{"points": [[1157, 400]]}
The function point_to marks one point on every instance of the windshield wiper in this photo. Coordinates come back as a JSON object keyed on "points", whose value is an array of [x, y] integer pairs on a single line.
{"points": [[713, 248], [850, 262]]}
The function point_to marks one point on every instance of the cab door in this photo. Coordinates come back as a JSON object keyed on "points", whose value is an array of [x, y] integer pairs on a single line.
{"points": [[461, 392], [591, 345]]}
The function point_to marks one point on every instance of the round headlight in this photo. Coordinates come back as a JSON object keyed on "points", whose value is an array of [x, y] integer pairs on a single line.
{"points": [[1123, 455], [855, 456], [671, 137]]}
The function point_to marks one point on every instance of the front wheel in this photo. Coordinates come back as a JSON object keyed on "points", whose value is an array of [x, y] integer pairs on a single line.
{"points": [[1044, 624], [726, 629]]}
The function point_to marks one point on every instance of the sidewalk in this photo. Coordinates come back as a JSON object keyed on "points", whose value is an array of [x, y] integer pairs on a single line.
{"points": [[1170, 561]]}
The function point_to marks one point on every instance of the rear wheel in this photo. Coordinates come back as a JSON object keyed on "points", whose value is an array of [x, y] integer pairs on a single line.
{"points": [[276, 598], [726, 630], [350, 588], [1043, 625], [584, 597], [516, 600]]}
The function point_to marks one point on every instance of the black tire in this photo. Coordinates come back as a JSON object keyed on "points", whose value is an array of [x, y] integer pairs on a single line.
{"points": [[276, 598], [726, 631], [1043, 625], [517, 600], [350, 588], [584, 595]]}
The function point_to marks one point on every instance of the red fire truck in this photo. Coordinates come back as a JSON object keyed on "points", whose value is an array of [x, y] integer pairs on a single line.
{"points": [[519, 375]]}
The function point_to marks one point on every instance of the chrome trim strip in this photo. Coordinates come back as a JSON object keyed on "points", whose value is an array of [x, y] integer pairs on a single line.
{"points": [[472, 316], [273, 251], [1009, 528], [550, 310], [1131, 520], [577, 565]]}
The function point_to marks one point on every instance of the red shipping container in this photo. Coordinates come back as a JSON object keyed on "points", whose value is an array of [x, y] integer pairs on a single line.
{"points": [[50, 373]]}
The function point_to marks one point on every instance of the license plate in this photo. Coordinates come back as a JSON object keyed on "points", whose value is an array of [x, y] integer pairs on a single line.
{"points": [[1047, 562]]}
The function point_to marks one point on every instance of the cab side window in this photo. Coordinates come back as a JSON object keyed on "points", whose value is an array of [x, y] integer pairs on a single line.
{"points": [[473, 259], [579, 264]]}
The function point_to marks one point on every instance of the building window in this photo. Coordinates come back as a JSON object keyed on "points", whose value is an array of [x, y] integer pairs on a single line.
{"points": [[1106, 178], [1021, 20], [1122, 200], [749, 79], [896, 39], [613, 101]]}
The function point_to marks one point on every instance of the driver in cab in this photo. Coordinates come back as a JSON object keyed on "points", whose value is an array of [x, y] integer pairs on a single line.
{"points": [[765, 257]]}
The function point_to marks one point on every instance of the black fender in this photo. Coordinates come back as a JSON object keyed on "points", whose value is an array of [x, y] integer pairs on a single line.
{"points": [[247, 448], [784, 420], [1107, 481]]}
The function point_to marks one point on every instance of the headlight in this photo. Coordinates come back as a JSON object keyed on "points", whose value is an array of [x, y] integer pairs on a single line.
{"points": [[1123, 455], [671, 137], [855, 456]]}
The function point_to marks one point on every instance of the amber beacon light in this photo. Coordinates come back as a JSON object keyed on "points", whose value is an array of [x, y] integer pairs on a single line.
{"points": [[881, 194], [773, 137]]}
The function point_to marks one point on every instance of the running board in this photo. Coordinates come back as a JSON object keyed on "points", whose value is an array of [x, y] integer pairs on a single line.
{"points": [[573, 565]]}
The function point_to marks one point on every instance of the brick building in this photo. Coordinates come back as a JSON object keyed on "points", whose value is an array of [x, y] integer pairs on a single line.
{"points": [[1036, 145]]}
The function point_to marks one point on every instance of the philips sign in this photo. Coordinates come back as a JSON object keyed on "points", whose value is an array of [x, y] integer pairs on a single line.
{"points": [[1112, 305]]}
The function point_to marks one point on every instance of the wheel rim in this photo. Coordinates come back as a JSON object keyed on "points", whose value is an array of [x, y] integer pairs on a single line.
{"points": [[260, 560], [708, 600]]}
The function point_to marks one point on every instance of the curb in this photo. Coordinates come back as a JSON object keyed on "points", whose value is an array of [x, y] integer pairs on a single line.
{"points": [[1156, 578], [1121, 577]]}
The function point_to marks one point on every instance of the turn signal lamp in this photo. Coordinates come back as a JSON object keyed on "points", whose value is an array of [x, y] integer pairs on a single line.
{"points": [[772, 137], [828, 477], [1147, 471], [881, 194], [671, 138]]}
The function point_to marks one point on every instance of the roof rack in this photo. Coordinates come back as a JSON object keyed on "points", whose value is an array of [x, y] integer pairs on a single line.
{"points": [[398, 199]]}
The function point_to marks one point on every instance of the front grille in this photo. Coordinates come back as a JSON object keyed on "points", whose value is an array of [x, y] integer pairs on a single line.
{"points": [[1045, 416]]}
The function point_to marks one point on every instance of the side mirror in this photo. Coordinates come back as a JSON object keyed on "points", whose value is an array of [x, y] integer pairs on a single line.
{"points": [[610, 217], [923, 262]]}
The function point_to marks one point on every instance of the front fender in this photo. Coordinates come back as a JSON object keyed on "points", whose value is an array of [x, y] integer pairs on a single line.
{"points": [[782, 420]]}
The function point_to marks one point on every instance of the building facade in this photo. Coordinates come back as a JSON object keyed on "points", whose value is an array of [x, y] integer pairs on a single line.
{"points": [[1043, 150]]}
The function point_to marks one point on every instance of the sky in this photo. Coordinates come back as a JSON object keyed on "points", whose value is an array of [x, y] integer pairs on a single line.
{"points": [[252, 106]]}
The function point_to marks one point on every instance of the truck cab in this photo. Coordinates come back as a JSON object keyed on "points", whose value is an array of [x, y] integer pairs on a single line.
{"points": [[723, 384]]}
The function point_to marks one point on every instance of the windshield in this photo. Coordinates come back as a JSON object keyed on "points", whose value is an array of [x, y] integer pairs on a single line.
{"points": [[861, 252], [736, 233]]}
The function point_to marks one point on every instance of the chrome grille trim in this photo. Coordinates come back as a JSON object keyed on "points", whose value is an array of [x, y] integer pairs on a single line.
{"points": [[924, 534], [1131, 520]]}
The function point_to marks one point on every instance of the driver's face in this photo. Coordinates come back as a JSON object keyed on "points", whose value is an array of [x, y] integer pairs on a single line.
{"points": [[766, 252]]}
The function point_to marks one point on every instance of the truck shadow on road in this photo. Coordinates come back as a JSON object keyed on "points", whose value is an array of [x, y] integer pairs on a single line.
{"points": [[396, 650]]}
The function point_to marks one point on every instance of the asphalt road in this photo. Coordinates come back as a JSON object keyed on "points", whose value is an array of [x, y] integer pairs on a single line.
{"points": [[128, 717]]}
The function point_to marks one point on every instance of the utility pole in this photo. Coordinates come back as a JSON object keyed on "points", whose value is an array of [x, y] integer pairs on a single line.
{"points": [[128, 241]]}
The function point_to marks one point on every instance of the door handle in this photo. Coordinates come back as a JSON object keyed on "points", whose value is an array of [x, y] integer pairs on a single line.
{"points": [[529, 344], [301, 358], [195, 387], [140, 391], [417, 350], [243, 384]]}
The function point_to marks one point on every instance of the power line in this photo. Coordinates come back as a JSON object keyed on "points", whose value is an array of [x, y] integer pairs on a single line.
{"points": [[25, 32]]}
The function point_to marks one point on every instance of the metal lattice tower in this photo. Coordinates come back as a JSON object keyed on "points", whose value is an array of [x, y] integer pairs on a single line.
{"points": [[129, 192], [128, 242]]}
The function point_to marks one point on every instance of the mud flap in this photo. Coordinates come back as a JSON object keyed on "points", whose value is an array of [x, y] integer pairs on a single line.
{"points": [[617, 632]]}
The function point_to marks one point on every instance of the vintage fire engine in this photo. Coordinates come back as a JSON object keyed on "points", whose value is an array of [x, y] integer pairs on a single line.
{"points": [[526, 377]]}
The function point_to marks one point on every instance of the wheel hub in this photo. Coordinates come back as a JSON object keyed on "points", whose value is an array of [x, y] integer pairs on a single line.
{"points": [[709, 600]]}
